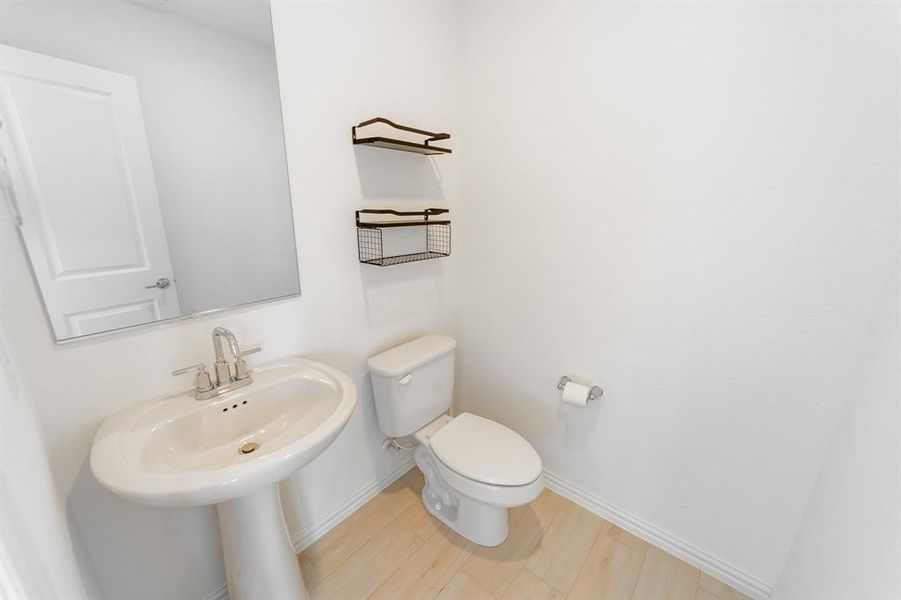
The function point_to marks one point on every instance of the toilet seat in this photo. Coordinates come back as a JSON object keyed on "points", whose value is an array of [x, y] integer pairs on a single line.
{"points": [[485, 452]]}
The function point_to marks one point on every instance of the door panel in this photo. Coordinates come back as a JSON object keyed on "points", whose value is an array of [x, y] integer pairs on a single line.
{"points": [[76, 240], [80, 168], [114, 317]]}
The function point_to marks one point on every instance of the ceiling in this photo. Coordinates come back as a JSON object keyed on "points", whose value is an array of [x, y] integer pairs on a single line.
{"points": [[248, 19]]}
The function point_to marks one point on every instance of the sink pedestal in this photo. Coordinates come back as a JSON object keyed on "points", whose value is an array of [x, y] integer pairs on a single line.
{"points": [[259, 559]]}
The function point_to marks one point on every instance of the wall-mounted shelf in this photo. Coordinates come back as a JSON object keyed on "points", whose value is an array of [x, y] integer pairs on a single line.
{"points": [[370, 243], [403, 145]]}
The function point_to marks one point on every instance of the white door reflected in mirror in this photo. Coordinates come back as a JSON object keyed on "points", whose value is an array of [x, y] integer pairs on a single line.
{"points": [[74, 143]]}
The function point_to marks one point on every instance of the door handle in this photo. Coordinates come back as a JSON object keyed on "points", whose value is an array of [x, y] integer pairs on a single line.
{"points": [[162, 283]]}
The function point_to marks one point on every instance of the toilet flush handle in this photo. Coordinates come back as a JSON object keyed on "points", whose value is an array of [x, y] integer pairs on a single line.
{"points": [[405, 379]]}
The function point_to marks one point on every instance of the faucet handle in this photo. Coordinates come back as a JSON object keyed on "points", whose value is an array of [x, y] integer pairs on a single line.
{"points": [[241, 370], [200, 368], [202, 381], [244, 353]]}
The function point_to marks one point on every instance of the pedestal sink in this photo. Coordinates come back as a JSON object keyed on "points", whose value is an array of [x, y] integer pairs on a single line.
{"points": [[231, 451]]}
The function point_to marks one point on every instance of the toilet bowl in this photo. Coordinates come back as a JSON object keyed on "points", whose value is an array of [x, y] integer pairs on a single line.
{"points": [[475, 469]]}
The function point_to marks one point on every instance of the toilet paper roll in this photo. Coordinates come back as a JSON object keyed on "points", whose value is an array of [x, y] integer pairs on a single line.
{"points": [[575, 393]]}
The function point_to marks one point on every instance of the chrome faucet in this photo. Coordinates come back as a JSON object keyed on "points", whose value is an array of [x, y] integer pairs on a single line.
{"points": [[226, 380], [222, 336]]}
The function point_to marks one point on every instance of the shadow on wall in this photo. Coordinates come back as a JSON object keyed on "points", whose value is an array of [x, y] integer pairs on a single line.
{"points": [[116, 552], [391, 175], [579, 422], [395, 294], [304, 511]]}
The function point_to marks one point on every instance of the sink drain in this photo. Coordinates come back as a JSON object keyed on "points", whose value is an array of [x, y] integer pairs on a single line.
{"points": [[249, 447]]}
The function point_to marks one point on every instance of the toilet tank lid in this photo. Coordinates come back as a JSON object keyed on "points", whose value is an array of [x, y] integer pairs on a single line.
{"points": [[402, 359]]}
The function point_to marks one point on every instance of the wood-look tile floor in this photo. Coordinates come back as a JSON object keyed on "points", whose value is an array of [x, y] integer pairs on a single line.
{"points": [[392, 548]]}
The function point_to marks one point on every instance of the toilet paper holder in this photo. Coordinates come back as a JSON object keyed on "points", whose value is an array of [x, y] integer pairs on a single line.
{"points": [[593, 394]]}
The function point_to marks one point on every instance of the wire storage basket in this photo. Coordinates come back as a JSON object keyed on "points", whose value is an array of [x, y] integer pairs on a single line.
{"points": [[370, 240]]}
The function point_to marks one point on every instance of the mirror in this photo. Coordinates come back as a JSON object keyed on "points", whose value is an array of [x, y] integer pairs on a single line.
{"points": [[143, 158]]}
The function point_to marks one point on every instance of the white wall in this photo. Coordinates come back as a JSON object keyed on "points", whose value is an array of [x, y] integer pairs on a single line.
{"points": [[694, 205], [37, 552], [339, 64], [211, 110], [849, 545]]}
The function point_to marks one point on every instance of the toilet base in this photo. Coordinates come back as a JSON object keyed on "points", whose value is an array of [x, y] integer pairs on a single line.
{"points": [[482, 523]]}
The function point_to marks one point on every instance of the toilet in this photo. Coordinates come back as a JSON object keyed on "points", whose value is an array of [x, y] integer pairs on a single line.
{"points": [[475, 469]]}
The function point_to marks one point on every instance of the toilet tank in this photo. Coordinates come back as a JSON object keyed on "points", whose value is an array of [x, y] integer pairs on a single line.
{"points": [[413, 383]]}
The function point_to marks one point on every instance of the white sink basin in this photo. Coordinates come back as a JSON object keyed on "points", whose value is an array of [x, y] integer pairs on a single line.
{"points": [[181, 451], [178, 451]]}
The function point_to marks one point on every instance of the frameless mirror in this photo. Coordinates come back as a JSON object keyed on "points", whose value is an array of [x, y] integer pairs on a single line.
{"points": [[143, 158]]}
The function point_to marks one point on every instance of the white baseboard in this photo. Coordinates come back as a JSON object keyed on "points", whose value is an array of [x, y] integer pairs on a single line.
{"points": [[317, 529], [738, 579], [221, 593]]}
